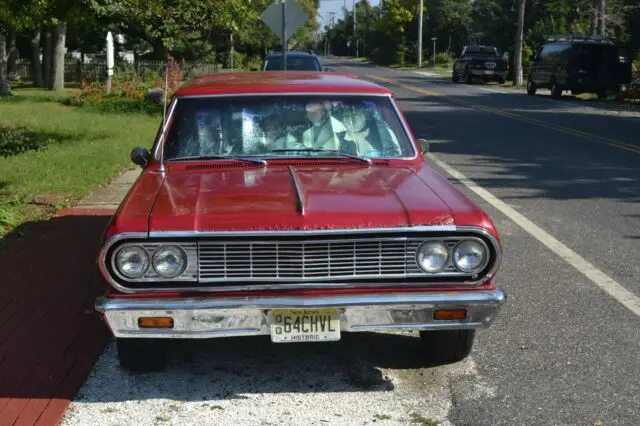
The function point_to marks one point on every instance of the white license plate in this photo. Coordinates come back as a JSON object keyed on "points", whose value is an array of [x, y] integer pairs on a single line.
{"points": [[488, 72], [304, 325]]}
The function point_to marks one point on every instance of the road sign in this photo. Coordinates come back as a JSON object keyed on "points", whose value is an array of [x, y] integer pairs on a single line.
{"points": [[294, 17]]}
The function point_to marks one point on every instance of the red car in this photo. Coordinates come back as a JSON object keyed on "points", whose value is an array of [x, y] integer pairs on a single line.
{"points": [[296, 205]]}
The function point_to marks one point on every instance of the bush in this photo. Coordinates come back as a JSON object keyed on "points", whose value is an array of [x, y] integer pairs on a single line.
{"points": [[15, 140], [444, 59], [8, 220], [129, 92]]}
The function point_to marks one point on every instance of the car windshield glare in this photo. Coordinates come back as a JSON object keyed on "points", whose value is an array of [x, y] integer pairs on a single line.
{"points": [[286, 126], [294, 63]]}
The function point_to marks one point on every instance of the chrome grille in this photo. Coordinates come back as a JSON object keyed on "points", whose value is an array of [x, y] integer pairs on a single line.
{"points": [[309, 260]]}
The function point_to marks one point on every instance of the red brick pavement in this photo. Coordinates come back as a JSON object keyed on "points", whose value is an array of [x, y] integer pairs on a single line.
{"points": [[50, 336]]}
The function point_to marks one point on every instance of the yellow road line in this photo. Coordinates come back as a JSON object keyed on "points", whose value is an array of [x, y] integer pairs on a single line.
{"points": [[514, 116]]}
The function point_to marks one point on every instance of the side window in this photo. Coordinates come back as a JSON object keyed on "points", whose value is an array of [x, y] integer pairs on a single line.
{"points": [[546, 50]]}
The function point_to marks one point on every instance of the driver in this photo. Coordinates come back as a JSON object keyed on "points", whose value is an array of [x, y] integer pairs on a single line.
{"points": [[326, 131]]}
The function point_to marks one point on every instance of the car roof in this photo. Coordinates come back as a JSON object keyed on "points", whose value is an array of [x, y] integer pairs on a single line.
{"points": [[291, 53], [270, 82]]}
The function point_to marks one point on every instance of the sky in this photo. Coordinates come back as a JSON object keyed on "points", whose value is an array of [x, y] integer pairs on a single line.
{"points": [[327, 6]]}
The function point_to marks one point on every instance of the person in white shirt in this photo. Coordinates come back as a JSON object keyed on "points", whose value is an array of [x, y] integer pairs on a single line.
{"points": [[326, 131]]}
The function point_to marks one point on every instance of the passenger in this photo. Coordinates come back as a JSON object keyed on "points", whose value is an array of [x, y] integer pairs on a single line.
{"points": [[361, 132], [277, 135], [326, 132]]}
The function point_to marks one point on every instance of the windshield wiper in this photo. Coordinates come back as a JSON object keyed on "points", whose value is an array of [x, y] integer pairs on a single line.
{"points": [[343, 154], [220, 157]]}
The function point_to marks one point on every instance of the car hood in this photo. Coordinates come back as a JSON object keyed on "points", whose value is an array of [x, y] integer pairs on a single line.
{"points": [[296, 198]]}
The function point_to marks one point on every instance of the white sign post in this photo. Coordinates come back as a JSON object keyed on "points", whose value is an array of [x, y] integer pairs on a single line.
{"points": [[284, 19], [110, 60]]}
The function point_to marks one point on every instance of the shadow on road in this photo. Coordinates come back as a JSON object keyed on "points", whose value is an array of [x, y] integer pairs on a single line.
{"points": [[547, 163], [234, 368]]}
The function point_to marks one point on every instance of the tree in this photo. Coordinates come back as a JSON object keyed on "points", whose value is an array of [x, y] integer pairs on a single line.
{"points": [[5, 89]]}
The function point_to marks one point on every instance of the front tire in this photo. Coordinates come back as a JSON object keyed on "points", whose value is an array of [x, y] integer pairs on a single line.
{"points": [[531, 87], [142, 355], [446, 346], [468, 77], [454, 76]]}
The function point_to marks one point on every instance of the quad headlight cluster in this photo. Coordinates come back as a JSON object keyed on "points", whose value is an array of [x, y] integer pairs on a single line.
{"points": [[168, 261], [467, 256]]}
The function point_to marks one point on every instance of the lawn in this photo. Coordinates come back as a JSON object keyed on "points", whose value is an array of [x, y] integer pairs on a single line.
{"points": [[52, 154]]}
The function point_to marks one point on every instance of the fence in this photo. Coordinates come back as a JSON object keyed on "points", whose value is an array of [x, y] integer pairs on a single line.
{"points": [[78, 71]]}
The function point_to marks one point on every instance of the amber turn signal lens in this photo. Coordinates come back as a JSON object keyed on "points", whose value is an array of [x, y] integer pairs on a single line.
{"points": [[450, 314], [155, 322]]}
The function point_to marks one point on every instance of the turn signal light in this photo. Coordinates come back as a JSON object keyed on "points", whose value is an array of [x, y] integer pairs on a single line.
{"points": [[155, 322], [450, 314]]}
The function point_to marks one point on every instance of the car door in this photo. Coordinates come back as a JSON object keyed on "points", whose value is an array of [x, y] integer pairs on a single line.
{"points": [[458, 65], [544, 66]]}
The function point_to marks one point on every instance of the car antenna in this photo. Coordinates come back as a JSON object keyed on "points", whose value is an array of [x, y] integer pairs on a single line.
{"points": [[164, 114]]}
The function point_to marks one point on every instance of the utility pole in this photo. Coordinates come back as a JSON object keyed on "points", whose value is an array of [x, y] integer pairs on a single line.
{"points": [[355, 40], [594, 17], [380, 7], [517, 77], [434, 39], [284, 35], [601, 21], [420, 35]]}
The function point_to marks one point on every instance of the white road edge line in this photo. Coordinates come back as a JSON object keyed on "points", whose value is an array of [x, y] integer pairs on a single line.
{"points": [[599, 278], [486, 89]]}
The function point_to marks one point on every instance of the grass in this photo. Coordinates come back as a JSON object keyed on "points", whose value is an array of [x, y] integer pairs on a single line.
{"points": [[57, 153], [421, 420]]}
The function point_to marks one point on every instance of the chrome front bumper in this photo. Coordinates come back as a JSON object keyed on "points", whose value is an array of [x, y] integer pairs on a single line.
{"points": [[247, 316]]}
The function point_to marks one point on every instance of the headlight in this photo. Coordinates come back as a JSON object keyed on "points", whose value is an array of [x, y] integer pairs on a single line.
{"points": [[169, 261], [469, 256], [132, 261], [433, 256]]}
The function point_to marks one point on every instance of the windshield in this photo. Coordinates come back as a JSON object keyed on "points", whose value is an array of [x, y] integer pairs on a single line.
{"points": [[282, 126], [294, 63]]}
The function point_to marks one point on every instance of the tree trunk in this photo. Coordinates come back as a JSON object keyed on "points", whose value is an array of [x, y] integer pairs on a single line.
{"points": [[517, 72], [46, 59], [231, 50], [594, 17], [36, 66], [12, 54], [601, 22], [57, 63], [5, 89]]}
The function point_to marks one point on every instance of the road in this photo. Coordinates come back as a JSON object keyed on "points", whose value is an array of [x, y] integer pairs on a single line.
{"points": [[562, 183]]}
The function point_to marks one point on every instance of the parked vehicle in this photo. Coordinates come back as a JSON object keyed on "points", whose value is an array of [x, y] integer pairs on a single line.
{"points": [[581, 64], [296, 61], [299, 206], [480, 62]]}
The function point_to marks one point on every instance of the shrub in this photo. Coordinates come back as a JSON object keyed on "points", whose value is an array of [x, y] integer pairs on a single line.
{"points": [[15, 140], [129, 92], [8, 220]]}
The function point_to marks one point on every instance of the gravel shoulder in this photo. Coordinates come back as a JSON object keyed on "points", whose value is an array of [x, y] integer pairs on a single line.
{"points": [[363, 379]]}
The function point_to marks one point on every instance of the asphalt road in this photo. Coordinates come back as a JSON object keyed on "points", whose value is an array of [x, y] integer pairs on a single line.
{"points": [[564, 350]]}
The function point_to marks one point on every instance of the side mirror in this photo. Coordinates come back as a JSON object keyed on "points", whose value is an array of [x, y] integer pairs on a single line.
{"points": [[140, 156], [424, 146]]}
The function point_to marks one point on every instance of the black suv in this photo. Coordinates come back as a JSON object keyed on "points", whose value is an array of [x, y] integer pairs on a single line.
{"points": [[481, 62], [581, 64], [296, 61]]}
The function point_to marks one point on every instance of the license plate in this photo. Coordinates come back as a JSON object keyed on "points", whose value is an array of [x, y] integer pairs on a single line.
{"points": [[304, 325], [488, 72]]}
